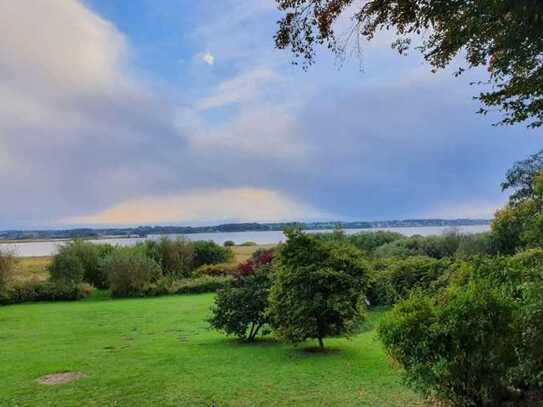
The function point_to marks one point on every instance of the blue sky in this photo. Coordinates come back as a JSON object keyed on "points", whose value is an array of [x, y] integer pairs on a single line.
{"points": [[183, 112]]}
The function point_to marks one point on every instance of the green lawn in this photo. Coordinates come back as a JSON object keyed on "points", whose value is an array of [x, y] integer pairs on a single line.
{"points": [[160, 352]]}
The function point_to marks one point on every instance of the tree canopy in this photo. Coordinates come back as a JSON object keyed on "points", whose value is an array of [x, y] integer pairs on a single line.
{"points": [[505, 36]]}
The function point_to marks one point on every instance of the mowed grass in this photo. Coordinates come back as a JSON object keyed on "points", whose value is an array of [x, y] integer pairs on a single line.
{"points": [[159, 351]]}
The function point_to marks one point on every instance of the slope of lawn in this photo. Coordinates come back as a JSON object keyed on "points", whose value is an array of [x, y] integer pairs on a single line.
{"points": [[159, 351]]}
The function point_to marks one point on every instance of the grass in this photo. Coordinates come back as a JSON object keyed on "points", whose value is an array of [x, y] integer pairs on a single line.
{"points": [[159, 351], [31, 268]]}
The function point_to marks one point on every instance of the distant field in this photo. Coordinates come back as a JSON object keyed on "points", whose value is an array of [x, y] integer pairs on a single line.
{"points": [[159, 351], [28, 268]]}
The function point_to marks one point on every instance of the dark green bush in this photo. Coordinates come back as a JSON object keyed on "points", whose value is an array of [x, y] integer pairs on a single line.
{"points": [[241, 308], [449, 244], [66, 267], [394, 279], [130, 271], [318, 288], [222, 269], [208, 252], [475, 244], [176, 257], [401, 248], [457, 347], [32, 291], [528, 375], [229, 243], [417, 272], [369, 241]]}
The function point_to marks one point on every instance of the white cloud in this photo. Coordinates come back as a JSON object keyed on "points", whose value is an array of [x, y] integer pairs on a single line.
{"points": [[242, 88], [207, 57], [229, 204]]}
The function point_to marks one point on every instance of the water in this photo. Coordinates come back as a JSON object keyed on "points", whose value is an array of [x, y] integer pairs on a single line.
{"points": [[49, 248]]}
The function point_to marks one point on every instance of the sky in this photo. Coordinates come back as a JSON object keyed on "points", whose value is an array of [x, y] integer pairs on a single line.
{"points": [[134, 112]]}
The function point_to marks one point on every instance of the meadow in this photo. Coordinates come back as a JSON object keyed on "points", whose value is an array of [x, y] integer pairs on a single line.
{"points": [[160, 351]]}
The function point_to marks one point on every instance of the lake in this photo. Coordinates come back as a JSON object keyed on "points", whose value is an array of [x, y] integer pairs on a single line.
{"points": [[49, 248]]}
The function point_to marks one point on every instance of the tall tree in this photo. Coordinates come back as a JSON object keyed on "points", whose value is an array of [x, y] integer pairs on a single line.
{"points": [[505, 36]]}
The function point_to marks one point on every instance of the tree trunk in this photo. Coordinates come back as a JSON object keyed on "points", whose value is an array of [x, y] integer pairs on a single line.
{"points": [[321, 343]]}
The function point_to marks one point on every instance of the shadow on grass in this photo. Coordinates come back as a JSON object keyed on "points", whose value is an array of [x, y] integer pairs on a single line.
{"points": [[317, 351], [260, 342]]}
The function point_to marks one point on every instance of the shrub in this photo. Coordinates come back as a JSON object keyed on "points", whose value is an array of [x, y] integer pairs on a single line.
{"points": [[528, 375], [259, 258], [208, 252], [241, 308], [79, 255], [176, 257], [223, 269], [66, 267], [415, 272], [456, 347], [380, 290], [248, 244], [7, 263], [130, 272], [475, 244], [369, 241], [318, 288], [401, 248], [34, 291], [229, 243]]}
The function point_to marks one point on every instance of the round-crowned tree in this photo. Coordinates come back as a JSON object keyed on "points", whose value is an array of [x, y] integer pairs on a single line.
{"points": [[241, 308], [318, 288]]}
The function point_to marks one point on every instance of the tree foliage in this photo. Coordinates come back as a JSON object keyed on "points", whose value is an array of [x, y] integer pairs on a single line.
{"points": [[524, 178], [318, 288], [505, 36], [241, 308]]}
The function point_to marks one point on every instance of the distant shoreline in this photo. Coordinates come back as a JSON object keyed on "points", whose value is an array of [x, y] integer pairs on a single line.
{"points": [[145, 232]]}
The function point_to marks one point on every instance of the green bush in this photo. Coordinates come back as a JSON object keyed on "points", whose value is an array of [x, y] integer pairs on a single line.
{"points": [[176, 257], [401, 248], [130, 271], [241, 308], [222, 269], [449, 244], [229, 243], [380, 290], [528, 375], [394, 279], [248, 244], [369, 241], [208, 252], [66, 268], [457, 347], [318, 288], [32, 291], [79, 255], [417, 272], [475, 244]]}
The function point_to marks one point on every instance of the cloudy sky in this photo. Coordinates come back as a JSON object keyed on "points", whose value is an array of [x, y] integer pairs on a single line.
{"points": [[182, 112]]}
